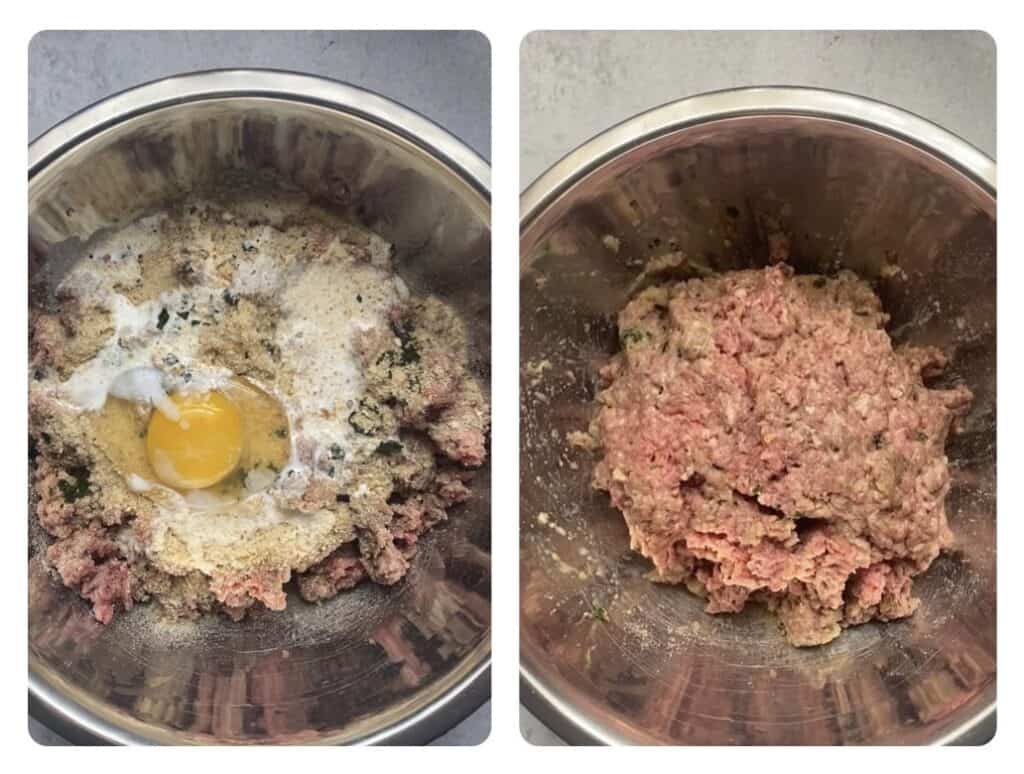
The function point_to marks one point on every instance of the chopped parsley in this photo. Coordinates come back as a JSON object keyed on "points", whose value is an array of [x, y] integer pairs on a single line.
{"points": [[389, 448], [598, 613], [162, 319], [921, 437], [409, 352], [631, 336], [76, 488], [230, 298], [337, 453], [365, 420]]}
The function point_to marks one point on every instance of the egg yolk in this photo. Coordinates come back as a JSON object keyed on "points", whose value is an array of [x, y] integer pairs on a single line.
{"points": [[201, 447]]}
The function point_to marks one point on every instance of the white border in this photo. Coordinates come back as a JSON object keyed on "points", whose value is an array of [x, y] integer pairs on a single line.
{"points": [[505, 24]]}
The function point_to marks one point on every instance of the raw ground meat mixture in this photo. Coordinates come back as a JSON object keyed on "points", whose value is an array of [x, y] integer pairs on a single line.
{"points": [[418, 428], [765, 442]]}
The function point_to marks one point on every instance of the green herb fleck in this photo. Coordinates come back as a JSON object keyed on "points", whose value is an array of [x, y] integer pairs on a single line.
{"points": [[337, 453], [230, 298], [75, 489], [410, 352], [365, 420], [921, 437], [598, 613], [389, 448], [162, 319], [631, 336]]}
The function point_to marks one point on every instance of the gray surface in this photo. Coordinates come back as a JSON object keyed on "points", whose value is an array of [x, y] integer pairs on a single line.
{"points": [[446, 76], [574, 85], [535, 732]]}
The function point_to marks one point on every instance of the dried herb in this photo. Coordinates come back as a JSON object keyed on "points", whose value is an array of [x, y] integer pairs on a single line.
{"points": [[389, 448], [409, 352], [230, 298], [337, 453], [76, 488], [631, 336], [365, 420], [162, 319]]}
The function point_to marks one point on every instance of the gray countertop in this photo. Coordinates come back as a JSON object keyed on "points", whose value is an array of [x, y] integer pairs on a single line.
{"points": [[446, 76], [573, 85], [576, 84]]}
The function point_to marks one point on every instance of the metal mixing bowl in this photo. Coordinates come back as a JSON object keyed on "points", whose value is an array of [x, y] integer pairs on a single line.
{"points": [[382, 665], [857, 184]]}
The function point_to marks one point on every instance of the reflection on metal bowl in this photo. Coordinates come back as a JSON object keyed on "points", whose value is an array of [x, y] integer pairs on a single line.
{"points": [[854, 184], [383, 665]]}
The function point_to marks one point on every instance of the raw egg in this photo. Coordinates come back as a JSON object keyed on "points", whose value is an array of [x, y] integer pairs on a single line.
{"points": [[201, 447]]}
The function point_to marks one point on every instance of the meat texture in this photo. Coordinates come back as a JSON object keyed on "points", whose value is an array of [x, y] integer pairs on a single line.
{"points": [[765, 441]]}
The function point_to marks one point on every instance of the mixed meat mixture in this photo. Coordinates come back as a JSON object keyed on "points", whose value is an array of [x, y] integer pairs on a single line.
{"points": [[358, 421], [766, 443]]}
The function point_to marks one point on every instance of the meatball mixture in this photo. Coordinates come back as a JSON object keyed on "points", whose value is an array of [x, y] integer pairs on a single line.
{"points": [[765, 442], [365, 429]]}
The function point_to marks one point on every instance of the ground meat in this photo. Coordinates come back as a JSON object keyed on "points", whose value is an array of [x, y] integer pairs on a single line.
{"points": [[342, 570], [383, 553], [240, 591], [371, 489], [765, 441], [92, 563], [421, 370]]}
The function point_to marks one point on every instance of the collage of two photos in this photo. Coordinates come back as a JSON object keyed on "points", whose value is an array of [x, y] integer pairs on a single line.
{"points": [[756, 407]]}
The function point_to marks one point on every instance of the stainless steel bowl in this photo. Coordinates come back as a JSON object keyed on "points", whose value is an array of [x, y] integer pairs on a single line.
{"points": [[856, 184], [375, 665]]}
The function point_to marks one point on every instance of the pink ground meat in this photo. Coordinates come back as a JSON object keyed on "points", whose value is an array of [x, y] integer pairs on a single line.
{"points": [[91, 563], [764, 440]]}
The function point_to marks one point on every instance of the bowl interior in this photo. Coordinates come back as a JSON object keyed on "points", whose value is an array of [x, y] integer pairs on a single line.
{"points": [[373, 659], [659, 670]]}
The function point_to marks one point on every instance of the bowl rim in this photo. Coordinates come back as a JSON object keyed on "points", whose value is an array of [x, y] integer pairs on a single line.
{"points": [[753, 101], [537, 696], [47, 703]]}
